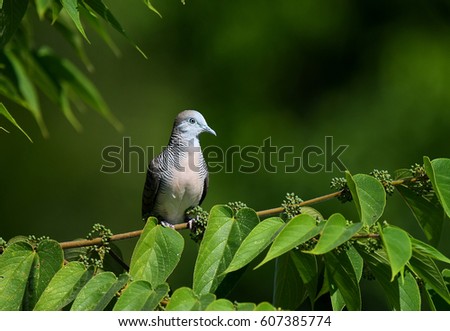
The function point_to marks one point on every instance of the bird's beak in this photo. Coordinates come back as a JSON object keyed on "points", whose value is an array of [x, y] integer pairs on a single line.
{"points": [[209, 130]]}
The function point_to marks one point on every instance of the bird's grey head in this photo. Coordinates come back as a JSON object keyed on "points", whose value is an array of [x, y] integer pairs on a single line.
{"points": [[190, 123]]}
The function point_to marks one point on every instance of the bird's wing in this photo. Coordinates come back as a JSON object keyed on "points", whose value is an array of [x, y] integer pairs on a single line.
{"points": [[150, 190], [205, 189]]}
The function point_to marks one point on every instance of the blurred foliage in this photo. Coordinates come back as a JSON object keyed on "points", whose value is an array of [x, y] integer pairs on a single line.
{"points": [[373, 75]]}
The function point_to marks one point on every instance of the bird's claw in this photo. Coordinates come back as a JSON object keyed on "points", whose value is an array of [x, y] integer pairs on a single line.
{"points": [[167, 225]]}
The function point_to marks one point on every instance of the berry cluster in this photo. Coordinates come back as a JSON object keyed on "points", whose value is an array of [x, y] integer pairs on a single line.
{"points": [[200, 220], [291, 206], [385, 179], [340, 184], [95, 255]]}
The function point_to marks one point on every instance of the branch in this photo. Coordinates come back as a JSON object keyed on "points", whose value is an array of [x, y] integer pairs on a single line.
{"points": [[183, 226]]}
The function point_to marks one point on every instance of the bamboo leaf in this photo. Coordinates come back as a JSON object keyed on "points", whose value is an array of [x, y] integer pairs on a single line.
{"points": [[71, 7], [5, 113], [99, 7], [27, 90], [11, 14]]}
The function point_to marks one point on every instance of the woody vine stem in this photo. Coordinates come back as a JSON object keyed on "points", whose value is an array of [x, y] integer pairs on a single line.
{"points": [[183, 226]]}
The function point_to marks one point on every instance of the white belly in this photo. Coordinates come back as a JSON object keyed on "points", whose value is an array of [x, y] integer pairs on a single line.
{"points": [[183, 191]]}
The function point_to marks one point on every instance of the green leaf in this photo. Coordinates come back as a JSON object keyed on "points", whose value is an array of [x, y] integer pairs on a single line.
{"points": [[156, 254], [342, 276], [220, 305], [429, 215], [245, 306], [74, 84], [368, 195], [183, 299], [139, 295], [379, 265], [398, 248], [15, 266], [4, 112], [48, 260], [64, 287], [71, 7], [426, 269], [409, 294], [27, 90], [65, 26], [265, 306], [102, 10], [102, 32], [334, 233], [296, 232], [223, 236], [151, 7], [42, 6], [307, 268], [256, 241], [289, 291], [99, 291], [11, 14], [430, 251], [438, 171]]}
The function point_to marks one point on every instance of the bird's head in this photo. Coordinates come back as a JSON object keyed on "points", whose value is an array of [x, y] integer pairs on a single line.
{"points": [[190, 123]]}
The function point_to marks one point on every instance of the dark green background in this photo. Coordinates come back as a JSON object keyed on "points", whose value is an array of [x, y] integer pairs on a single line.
{"points": [[374, 75]]}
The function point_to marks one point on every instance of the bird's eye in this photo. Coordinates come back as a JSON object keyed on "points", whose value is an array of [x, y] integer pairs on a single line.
{"points": [[192, 120]]}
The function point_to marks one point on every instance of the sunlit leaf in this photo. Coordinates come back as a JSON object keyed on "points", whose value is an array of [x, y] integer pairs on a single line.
{"points": [[223, 236], [139, 295], [297, 231], [99, 291], [398, 248], [5, 113], [257, 240], [156, 254], [71, 7], [409, 293], [64, 287], [438, 171], [368, 195], [334, 233], [15, 266]]}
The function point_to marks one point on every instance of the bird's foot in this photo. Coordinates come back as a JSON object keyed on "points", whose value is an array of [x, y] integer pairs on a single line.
{"points": [[167, 225], [191, 224]]}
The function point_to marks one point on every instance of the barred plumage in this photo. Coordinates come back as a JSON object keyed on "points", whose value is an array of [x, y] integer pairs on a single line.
{"points": [[177, 179]]}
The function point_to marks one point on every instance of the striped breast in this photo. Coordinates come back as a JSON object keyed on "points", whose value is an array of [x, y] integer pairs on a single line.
{"points": [[182, 183]]}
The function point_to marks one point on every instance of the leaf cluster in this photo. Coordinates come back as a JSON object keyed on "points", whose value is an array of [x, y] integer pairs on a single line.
{"points": [[29, 71], [314, 258]]}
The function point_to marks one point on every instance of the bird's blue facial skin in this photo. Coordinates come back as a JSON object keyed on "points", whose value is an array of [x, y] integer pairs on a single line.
{"points": [[192, 127]]}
